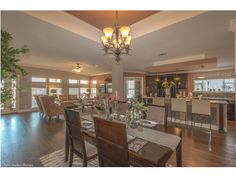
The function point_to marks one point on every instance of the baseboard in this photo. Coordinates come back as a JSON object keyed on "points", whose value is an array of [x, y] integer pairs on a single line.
{"points": [[25, 110]]}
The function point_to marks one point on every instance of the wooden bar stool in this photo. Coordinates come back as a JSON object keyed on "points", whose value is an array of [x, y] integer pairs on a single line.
{"points": [[178, 105]]}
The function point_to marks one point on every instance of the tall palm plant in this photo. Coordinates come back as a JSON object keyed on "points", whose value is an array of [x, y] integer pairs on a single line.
{"points": [[9, 65]]}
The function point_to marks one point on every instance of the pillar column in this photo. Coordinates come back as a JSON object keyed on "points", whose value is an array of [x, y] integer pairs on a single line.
{"points": [[118, 78]]}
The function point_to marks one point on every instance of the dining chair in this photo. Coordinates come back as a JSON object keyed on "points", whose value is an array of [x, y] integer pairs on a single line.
{"points": [[179, 106], [112, 146], [122, 108], [157, 113], [41, 113], [78, 144]]}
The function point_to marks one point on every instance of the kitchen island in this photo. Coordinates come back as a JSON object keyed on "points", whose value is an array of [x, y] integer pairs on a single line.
{"points": [[218, 112]]}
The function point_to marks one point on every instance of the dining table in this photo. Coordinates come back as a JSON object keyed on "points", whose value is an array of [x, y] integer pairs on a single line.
{"points": [[161, 142]]}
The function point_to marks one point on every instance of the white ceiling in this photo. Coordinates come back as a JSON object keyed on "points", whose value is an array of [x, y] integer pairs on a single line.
{"points": [[58, 48]]}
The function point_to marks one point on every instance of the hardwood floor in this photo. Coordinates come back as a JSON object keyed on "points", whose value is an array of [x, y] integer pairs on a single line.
{"points": [[26, 137]]}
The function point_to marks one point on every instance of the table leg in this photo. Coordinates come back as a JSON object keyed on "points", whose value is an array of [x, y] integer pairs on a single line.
{"points": [[179, 155], [66, 146]]}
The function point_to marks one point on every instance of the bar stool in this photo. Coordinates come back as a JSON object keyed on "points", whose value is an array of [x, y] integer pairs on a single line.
{"points": [[178, 105], [202, 109]]}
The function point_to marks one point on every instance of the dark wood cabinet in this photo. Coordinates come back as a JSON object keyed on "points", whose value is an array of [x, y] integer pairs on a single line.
{"points": [[154, 87]]}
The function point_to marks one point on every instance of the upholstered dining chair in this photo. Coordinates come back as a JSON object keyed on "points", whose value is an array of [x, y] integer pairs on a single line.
{"points": [[122, 108], [78, 144], [179, 106], [50, 108], [112, 143], [41, 113], [157, 113]]}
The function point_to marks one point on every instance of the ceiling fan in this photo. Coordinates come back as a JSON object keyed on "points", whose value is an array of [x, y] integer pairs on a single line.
{"points": [[78, 68]]}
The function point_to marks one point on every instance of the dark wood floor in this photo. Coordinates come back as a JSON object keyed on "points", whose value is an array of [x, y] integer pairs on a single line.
{"points": [[25, 138]]}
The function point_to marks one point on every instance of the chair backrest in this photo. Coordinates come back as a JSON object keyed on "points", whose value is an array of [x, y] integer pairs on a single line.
{"points": [[112, 143], [158, 101], [49, 106], [201, 107], [178, 105], [73, 125], [36, 97], [122, 108], [157, 113]]}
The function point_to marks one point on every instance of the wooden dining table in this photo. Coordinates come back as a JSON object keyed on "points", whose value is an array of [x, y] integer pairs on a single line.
{"points": [[152, 154]]}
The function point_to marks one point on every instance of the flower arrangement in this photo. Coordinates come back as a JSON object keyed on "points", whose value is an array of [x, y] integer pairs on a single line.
{"points": [[139, 106], [167, 84]]}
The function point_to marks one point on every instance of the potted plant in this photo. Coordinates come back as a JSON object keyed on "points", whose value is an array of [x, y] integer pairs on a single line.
{"points": [[10, 68]]}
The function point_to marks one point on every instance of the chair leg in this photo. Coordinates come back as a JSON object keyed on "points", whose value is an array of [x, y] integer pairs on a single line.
{"points": [[209, 148], [84, 162], [71, 157]]}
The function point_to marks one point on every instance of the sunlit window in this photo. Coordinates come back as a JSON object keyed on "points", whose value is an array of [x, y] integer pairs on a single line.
{"points": [[83, 81], [93, 92], [74, 91], [53, 80], [38, 79], [214, 85], [37, 91], [73, 81]]}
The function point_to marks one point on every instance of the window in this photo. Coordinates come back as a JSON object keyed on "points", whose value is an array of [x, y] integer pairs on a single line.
{"points": [[53, 80], [72, 81], [38, 79], [12, 84], [74, 91], [55, 91], [130, 89], [83, 81], [37, 91], [93, 92], [83, 90], [214, 85], [94, 82]]}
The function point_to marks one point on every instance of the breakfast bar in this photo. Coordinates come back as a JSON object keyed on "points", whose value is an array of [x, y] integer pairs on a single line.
{"points": [[218, 112]]}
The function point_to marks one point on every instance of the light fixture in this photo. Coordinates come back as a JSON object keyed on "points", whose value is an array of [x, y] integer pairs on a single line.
{"points": [[201, 77], [176, 77], [77, 68], [116, 41], [157, 78]]}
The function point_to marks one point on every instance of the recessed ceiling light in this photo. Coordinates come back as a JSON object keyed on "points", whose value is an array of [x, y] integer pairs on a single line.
{"points": [[162, 54]]}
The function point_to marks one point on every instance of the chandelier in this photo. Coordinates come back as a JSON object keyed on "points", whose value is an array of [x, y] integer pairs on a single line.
{"points": [[116, 41], [77, 68]]}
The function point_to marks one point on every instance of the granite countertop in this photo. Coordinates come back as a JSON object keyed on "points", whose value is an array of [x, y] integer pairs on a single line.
{"points": [[214, 100]]}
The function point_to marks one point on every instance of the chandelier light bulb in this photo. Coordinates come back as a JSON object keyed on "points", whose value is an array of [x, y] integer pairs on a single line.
{"points": [[125, 31], [104, 40], [108, 32]]}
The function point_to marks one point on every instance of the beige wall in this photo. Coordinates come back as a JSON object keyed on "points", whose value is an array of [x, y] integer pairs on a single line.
{"points": [[100, 78], [26, 84]]}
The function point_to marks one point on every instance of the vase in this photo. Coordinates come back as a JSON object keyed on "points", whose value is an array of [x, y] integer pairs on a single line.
{"points": [[135, 116], [167, 92]]}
